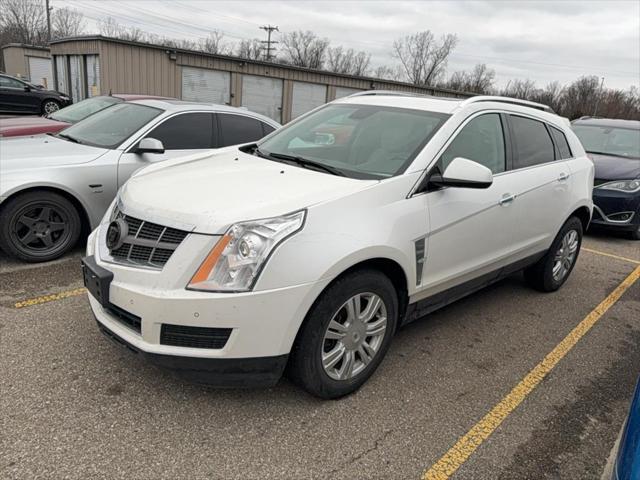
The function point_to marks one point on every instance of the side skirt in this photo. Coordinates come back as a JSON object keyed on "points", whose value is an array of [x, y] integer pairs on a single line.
{"points": [[425, 306]]}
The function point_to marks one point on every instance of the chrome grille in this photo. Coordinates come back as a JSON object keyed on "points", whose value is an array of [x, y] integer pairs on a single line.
{"points": [[146, 244]]}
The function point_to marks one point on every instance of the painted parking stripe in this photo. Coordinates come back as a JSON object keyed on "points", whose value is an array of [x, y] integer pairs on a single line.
{"points": [[611, 255], [49, 298], [470, 441]]}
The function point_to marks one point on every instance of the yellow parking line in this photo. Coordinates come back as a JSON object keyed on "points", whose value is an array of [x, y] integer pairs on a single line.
{"points": [[49, 298], [625, 259], [469, 442]]}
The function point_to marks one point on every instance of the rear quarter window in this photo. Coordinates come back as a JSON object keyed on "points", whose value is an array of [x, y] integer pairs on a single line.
{"points": [[561, 143]]}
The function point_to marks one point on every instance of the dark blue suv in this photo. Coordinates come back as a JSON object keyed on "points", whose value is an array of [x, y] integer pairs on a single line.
{"points": [[614, 147]]}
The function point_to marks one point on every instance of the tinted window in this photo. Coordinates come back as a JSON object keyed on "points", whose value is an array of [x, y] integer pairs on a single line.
{"points": [[188, 131], [235, 129], [110, 127], [482, 141], [561, 142], [11, 83], [532, 141], [267, 129]]}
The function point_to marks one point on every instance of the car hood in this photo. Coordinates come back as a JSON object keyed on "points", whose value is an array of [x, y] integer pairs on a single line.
{"points": [[43, 151], [609, 167], [10, 127], [208, 193]]}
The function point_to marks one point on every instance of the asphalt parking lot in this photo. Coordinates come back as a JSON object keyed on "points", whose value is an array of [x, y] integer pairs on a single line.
{"points": [[466, 392]]}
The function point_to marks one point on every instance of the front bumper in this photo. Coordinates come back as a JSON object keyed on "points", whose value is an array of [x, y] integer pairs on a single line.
{"points": [[616, 210], [262, 324]]}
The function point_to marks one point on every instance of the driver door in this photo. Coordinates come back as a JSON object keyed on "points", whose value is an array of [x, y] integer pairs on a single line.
{"points": [[181, 134], [471, 229]]}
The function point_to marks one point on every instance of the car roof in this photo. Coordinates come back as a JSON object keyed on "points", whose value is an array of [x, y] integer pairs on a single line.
{"points": [[185, 106], [608, 122], [128, 97]]}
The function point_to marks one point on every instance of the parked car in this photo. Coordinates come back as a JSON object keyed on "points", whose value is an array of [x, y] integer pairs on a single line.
{"points": [[53, 187], [17, 95], [626, 460], [614, 147], [61, 119], [232, 266]]}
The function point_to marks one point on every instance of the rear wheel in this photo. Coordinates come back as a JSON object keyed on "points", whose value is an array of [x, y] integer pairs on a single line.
{"points": [[38, 226], [550, 272], [345, 335], [50, 106]]}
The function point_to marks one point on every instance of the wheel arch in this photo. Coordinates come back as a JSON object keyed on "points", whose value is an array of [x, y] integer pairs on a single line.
{"points": [[584, 215], [82, 211]]}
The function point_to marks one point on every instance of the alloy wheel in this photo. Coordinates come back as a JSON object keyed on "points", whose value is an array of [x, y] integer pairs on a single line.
{"points": [[40, 228], [354, 336], [51, 107], [565, 255]]}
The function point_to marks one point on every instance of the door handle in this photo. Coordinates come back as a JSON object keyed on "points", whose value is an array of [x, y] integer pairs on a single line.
{"points": [[507, 198], [563, 176]]}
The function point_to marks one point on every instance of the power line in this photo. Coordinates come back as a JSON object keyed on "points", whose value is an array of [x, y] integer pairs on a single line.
{"points": [[268, 49]]}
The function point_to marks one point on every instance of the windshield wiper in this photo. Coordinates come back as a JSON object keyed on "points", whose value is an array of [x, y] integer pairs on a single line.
{"points": [[304, 162], [70, 138]]}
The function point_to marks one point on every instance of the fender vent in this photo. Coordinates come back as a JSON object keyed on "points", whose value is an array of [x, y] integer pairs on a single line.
{"points": [[420, 252]]}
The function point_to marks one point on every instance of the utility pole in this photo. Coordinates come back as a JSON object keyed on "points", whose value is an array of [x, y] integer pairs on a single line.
{"points": [[269, 29], [48, 20], [595, 110]]}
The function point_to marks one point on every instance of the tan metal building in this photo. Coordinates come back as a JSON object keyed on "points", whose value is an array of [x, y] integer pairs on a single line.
{"points": [[91, 65], [28, 61]]}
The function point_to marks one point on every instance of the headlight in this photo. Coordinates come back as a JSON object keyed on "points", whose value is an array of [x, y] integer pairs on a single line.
{"points": [[234, 263], [626, 186]]}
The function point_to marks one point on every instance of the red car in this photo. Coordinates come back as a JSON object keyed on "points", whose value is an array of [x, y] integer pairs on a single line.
{"points": [[56, 121]]}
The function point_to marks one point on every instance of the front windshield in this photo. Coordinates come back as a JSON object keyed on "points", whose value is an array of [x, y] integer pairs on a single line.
{"points": [[621, 142], [111, 126], [361, 141], [81, 110]]}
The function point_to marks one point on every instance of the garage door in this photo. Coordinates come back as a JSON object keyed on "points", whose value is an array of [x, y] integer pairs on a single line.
{"points": [[93, 75], [263, 95], [307, 96], [345, 92], [40, 72], [75, 75], [61, 74], [202, 85]]}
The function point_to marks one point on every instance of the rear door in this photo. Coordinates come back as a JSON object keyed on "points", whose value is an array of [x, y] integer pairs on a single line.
{"points": [[14, 97], [539, 182], [181, 134], [471, 230], [235, 129]]}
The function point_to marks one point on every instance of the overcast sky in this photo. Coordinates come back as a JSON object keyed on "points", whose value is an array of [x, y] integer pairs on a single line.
{"points": [[541, 40]]}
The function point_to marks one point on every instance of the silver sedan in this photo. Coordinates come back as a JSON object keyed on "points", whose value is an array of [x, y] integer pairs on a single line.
{"points": [[54, 188]]}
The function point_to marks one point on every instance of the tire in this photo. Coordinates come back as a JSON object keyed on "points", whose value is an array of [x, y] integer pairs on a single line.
{"points": [[306, 366], [541, 275], [38, 226], [50, 106]]}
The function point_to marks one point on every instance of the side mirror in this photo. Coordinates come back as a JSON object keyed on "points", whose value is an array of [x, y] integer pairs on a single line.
{"points": [[27, 88], [463, 173], [150, 145]]}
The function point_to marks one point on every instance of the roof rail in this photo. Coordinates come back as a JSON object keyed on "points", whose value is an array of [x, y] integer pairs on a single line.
{"points": [[395, 93], [513, 101]]}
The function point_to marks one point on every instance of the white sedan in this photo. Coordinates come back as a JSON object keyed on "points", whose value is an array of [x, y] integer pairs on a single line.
{"points": [[54, 187]]}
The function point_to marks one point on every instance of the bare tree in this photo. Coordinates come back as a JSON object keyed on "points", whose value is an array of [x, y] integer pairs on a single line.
{"points": [[423, 57], [389, 73], [111, 28], [348, 61], [23, 21], [67, 22], [304, 49], [580, 97], [480, 80], [250, 49], [519, 88], [551, 95], [215, 43]]}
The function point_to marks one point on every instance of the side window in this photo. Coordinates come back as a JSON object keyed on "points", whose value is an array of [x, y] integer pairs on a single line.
{"points": [[10, 83], [235, 129], [189, 131], [480, 140], [561, 142], [532, 141], [267, 129]]}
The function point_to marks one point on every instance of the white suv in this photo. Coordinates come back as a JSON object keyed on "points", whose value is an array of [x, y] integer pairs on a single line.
{"points": [[310, 248]]}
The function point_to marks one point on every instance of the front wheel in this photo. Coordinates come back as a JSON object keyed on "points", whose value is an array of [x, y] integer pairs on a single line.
{"points": [[38, 226], [550, 272], [346, 335], [49, 107]]}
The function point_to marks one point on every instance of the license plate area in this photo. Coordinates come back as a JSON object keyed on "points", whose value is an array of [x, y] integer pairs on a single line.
{"points": [[97, 280]]}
